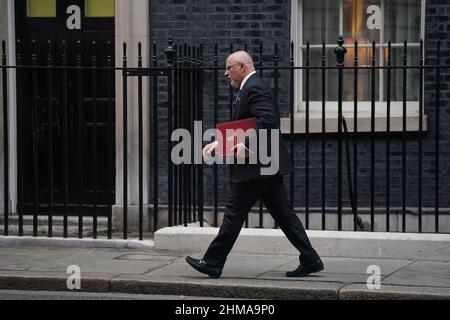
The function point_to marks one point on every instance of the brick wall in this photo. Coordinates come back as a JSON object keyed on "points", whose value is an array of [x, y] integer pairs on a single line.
{"points": [[253, 22], [437, 28], [242, 24]]}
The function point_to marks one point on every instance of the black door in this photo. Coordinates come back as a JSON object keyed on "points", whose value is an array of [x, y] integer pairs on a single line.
{"points": [[70, 152]]}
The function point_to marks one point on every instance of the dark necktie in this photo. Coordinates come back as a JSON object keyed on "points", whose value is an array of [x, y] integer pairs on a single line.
{"points": [[238, 98]]}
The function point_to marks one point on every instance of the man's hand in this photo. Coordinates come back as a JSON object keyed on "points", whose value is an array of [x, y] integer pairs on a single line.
{"points": [[208, 149], [240, 151]]}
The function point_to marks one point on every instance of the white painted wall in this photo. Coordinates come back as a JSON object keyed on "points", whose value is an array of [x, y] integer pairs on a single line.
{"points": [[132, 27], [3, 36]]}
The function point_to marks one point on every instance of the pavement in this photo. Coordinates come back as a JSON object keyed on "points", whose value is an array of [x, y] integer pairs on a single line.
{"points": [[143, 270]]}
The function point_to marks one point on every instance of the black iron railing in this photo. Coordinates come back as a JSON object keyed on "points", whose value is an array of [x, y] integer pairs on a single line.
{"points": [[62, 129]]}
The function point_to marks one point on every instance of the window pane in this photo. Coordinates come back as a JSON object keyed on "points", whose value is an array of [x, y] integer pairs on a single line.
{"points": [[402, 21], [41, 8], [360, 25], [412, 75], [100, 8], [362, 21], [331, 76], [320, 21]]}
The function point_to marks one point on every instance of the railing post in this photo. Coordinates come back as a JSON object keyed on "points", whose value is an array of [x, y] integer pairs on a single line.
{"points": [[65, 150], [420, 203], [175, 107], [154, 139], [6, 141], [340, 56], [50, 138], [94, 137], [372, 141], [194, 118], [36, 129], [80, 139], [140, 146], [184, 112], [307, 144], [125, 141], [355, 130], [324, 139], [291, 122], [188, 127], [388, 142], [170, 55], [109, 89], [437, 136], [20, 105], [216, 120], [200, 201], [404, 137]]}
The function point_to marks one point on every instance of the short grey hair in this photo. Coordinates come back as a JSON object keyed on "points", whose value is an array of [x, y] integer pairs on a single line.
{"points": [[242, 56]]}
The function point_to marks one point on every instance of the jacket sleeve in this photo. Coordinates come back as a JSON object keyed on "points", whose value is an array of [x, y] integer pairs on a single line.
{"points": [[260, 105]]}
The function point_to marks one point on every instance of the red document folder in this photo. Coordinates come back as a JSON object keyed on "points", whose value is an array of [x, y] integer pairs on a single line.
{"points": [[229, 135]]}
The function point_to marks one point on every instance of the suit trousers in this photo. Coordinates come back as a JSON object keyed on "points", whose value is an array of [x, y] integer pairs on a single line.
{"points": [[243, 196]]}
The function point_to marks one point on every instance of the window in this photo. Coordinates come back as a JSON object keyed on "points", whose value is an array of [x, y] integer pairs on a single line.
{"points": [[318, 21], [41, 8], [100, 8]]}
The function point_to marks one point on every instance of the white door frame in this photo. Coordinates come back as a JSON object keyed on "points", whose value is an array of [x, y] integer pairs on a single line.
{"points": [[12, 107], [128, 29]]}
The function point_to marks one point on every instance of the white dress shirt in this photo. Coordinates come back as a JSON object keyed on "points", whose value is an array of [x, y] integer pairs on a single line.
{"points": [[245, 79]]}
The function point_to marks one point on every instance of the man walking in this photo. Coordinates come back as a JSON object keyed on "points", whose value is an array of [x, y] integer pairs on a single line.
{"points": [[248, 184]]}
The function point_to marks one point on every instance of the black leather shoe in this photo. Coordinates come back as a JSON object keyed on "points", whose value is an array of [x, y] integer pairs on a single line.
{"points": [[201, 266], [304, 270]]}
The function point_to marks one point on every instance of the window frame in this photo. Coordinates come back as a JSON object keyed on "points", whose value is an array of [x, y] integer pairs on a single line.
{"points": [[40, 15], [90, 16], [363, 105]]}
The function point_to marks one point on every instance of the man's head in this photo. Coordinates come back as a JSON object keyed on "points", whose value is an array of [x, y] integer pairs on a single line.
{"points": [[238, 66]]}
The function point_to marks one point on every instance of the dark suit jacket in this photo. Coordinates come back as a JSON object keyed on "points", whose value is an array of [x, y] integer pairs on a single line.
{"points": [[256, 100]]}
